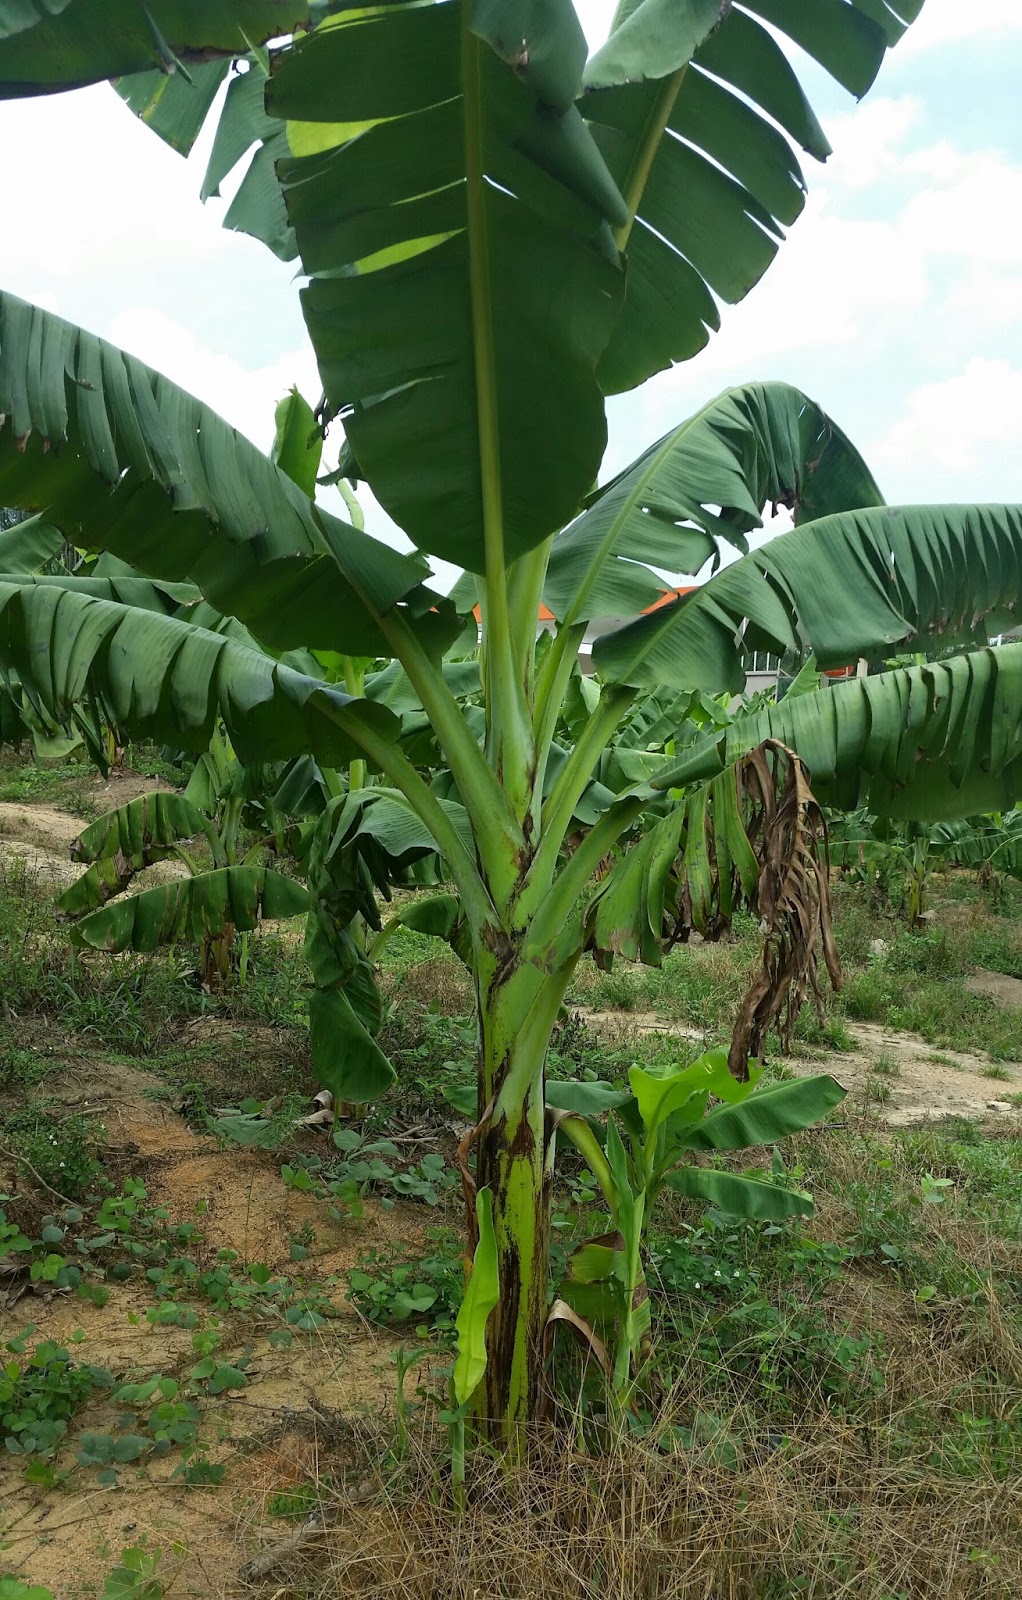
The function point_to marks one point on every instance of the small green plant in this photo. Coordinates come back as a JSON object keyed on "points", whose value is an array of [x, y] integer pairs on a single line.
{"points": [[58, 1146], [24, 1068], [391, 1288], [886, 1066], [1001, 1074], [135, 1578], [878, 1090], [652, 1128], [295, 1504], [41, 1389], [12, 1588], [934, 1190], [367, 1165]]}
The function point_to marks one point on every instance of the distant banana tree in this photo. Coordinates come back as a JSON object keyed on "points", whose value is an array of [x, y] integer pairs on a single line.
{"points": [[907, 853], [497, 234]]}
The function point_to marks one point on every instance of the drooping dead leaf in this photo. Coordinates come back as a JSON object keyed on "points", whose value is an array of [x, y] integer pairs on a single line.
{"points": [[560, 1311], [787, 830]]}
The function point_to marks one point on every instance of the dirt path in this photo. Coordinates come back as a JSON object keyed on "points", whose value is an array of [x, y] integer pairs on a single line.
{"points": [[38, 839], [271, 1436], [922, 1084], [927, 1085]]}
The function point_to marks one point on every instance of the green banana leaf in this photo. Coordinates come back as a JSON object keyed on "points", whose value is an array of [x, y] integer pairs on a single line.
{"points": [[123, 460], [298, 442], [436, 917], [697, 107], [123, 842], [993, 844], [126, 588], [453, 213], [905, 577], [704, 483], [192, 909], [765, 1115], [346, 1058], [740, 1196], [681, 1095], [481, 1295], [170, 680], [177, 109], [49, 45], [931, 742], [29, 545]]}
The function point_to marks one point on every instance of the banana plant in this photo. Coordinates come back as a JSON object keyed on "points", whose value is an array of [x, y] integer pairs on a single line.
{"points": [[991, 846], [206, 907], [496, 234], [652, 1132], [910, 851]]}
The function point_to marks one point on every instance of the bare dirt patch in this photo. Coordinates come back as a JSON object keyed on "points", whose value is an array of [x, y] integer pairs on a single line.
{"points": [[927, 1085], [120, 785], [41, 826], [263, 1051], [1007, 991], [618, 1027], [268, 1434], [38, 840]]}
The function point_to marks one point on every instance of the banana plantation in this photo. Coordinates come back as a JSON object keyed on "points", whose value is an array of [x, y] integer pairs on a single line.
{"points": [[491, 1102]]}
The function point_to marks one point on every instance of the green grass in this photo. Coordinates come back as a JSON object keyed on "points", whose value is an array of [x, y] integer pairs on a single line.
{"points": [[886, 1066], [818, 1375], [66, 784]]}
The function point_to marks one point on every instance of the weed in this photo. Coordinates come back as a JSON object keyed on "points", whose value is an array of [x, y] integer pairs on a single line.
{"points": [[886, 1066], [40, 1391], [23, 1069], [1000, 1073], [57, 1144], [134, 1578], [617, 991], [367, 1164], [295, 1504], [392, 1288]]}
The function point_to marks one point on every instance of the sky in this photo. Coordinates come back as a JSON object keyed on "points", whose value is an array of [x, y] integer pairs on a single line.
{"points": [[895, 302]]}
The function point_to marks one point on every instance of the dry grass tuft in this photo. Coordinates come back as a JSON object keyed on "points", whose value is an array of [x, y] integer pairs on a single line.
{"points": [[439, 982], [819, 1515]]}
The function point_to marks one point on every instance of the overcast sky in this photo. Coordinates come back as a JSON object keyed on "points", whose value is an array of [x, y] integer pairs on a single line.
{"points": [[896, 302]]}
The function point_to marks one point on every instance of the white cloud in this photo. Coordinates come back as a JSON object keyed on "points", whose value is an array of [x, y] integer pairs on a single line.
{"points": [[958, 423], [867, 143], [84, 178], [244, 395], [944, 22]]}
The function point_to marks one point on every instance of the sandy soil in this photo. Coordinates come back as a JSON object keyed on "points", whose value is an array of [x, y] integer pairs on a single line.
{"points": [[272, 1434], [39, 839], [929, 1084]]}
